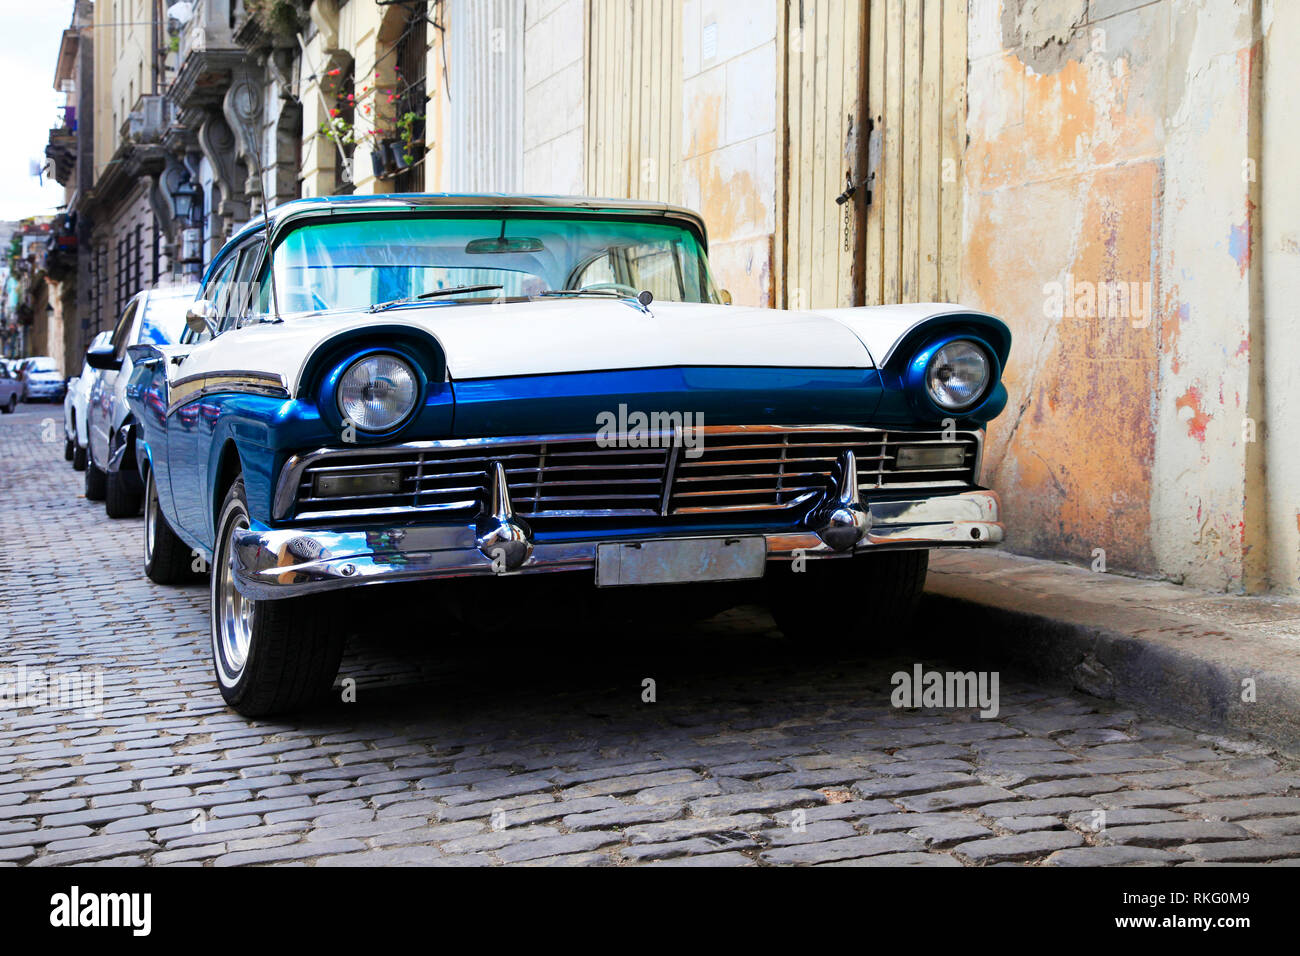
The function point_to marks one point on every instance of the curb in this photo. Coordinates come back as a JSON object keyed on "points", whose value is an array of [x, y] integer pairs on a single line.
{"points": [[1162, 662]]}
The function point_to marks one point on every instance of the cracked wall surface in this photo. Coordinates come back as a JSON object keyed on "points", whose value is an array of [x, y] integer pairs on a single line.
{"points": [[1112, 216]]}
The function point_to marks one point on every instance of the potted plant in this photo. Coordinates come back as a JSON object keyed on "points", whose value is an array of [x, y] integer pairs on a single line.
{"points": [[411, 127], [380, 141]]}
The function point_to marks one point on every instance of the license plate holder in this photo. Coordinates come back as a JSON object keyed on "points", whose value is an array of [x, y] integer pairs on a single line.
{"points": [[680, 560]]}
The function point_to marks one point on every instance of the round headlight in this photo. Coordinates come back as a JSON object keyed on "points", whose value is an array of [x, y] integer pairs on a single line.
{"points": [[377, 392], [958, 375]]}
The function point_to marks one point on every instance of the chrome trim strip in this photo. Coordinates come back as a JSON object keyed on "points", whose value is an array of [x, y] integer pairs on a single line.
{"points": [[271, 564], [185, 390]]}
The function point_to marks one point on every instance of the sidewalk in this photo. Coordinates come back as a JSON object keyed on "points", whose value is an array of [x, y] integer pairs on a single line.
{"points": [[1177, 651]]}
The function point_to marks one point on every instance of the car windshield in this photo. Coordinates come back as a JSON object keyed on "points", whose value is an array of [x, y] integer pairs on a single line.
{"points": [[164, 320], [355, 263], [42, 365]]}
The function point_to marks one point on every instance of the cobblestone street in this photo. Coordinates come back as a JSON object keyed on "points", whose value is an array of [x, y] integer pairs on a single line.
{"points": [[756, 751]]}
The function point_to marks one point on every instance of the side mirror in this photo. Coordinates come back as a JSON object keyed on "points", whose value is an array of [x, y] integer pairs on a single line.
{"points": [[202, 317], [724, 296], [103, 357]]}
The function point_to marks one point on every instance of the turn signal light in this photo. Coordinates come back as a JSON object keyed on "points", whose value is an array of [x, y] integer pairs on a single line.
{"points": [[348, 484]]}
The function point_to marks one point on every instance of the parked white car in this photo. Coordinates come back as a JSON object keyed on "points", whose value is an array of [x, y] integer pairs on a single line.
{"points": [[42, 380], [76, 440], [11, 386], [153, 317]]}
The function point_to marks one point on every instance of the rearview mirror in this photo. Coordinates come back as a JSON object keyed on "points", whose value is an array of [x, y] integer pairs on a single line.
{"points": [[202, 317], [503, 245], [103, 357]]}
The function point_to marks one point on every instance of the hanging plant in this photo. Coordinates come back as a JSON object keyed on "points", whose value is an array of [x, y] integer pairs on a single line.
{"points": [[339, 129], [410, 128], [278, 17]]}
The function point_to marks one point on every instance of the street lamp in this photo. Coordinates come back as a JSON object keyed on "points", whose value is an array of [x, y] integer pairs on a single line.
{"points": [[183, 198], [187, 201]]}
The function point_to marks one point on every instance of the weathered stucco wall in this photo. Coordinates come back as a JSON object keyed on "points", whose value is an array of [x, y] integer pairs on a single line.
{"points": [[1279, 244], [729, 123], [1111, 217], [554, 109]]}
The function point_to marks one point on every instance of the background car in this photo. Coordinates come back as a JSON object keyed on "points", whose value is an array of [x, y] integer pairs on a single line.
{"points": [[42, 380], [74, 409], [11, 387], [154, 317]]}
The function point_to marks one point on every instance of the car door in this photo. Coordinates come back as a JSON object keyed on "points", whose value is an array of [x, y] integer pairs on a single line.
{"points": [[99, 403], [189, 430]]}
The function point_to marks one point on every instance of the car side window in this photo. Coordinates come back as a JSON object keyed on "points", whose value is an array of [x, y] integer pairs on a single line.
{"points": [[596, 272], [242, 285], [216, 291]]}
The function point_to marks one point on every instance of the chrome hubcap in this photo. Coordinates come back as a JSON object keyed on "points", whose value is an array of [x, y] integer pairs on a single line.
{"points": [[150, 519], [234, 612]]}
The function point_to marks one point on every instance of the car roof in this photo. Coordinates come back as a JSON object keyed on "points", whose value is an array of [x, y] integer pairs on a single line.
{"points": [[388, 202], [187, 291]]}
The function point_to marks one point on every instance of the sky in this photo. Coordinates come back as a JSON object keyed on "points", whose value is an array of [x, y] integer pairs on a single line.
{"points": [[30, 31]]}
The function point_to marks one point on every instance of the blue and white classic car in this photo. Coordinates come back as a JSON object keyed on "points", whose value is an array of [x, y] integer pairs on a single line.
{"points": [[406, 388]]}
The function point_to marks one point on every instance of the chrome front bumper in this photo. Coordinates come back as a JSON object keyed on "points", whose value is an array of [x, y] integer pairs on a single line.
{"points": [[270, 564]]}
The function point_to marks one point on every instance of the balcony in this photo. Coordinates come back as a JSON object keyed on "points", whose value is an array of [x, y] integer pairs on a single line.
{"points": [[148, 121], [207, 54]]}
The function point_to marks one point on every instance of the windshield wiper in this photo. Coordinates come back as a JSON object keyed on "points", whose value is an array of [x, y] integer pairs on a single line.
{"points": [[433, 293]]}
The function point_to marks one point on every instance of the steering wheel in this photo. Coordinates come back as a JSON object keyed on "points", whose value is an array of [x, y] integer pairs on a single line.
{"points": [[613, 286]]}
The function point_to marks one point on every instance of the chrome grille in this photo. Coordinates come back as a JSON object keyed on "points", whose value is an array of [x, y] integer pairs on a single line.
{"points": [[880, 472], [737, 469], [761, 470], [557, 478]]}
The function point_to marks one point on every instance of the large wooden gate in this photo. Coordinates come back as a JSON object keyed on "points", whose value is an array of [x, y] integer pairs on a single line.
{"points": [[874, 106]]}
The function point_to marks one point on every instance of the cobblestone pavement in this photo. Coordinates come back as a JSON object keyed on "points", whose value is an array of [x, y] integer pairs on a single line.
{"points": [[543, 751]]}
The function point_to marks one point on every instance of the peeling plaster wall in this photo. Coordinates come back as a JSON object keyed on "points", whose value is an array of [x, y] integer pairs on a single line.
{"points": [[1106, 166], [553, 97], [729, 125], [1279, 243]]}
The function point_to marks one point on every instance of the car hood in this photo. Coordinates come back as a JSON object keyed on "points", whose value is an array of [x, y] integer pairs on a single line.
{"points": [[566, 335], [556, 336]]}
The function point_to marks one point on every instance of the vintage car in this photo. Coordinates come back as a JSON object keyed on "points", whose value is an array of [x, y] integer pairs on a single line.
{"points": [[153, 317], [419, 387], [76, 439]]}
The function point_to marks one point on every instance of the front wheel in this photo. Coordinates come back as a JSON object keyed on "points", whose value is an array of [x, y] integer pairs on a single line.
{"points": [[96, 482], [121, 499], [270, 656], [78, 456], [12, 404], [166, 559], [869, 597]]}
